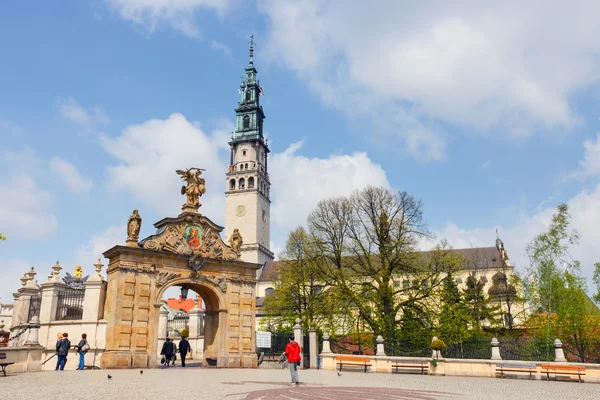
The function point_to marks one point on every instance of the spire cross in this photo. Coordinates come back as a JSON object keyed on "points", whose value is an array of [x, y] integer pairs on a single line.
{"points": [[252, 42]]}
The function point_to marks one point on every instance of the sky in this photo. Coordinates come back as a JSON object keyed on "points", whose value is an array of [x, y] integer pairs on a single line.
{"points": [[488, 113]]}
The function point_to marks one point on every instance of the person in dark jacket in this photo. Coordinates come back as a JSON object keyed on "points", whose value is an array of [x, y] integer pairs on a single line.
{"points": [[62, 350], [168, 350], [59, 337], [184, 348], [292, 351], [82, 349]]}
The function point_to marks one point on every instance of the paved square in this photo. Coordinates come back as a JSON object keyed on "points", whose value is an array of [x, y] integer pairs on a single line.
{"points": [[234, 384]]}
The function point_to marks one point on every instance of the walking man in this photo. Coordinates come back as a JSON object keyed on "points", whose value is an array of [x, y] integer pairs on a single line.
{"points": [[167, 350], [184, 347], [62, 350], [292, 351]]}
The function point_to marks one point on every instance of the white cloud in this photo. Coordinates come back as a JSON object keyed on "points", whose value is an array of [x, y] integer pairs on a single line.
{"points": [[87, 255], [585, 218], [221, 47], [508, 66], [299, 183], [25, 208], [12, 270], [176, 14], [70, 175], [77, 114], [590, 165], [486, 164], [149, 153]]}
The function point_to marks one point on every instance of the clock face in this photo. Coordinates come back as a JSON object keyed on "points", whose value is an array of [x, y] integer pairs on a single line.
{"points": [[240, 211], [264, 216]]}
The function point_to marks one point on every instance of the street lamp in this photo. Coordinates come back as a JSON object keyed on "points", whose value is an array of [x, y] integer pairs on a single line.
{"points": [[184, 292]]}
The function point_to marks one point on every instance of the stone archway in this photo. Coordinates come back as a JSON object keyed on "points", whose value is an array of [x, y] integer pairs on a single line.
{"points": [[139, 273]]}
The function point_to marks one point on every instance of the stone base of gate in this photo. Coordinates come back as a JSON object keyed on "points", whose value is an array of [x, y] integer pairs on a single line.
{"points": [[125, 359]]}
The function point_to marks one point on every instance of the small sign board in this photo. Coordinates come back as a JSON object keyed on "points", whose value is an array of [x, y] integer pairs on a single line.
{"points": [[263, 340]]}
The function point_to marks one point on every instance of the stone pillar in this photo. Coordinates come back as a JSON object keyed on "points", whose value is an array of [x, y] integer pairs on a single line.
{"points": [[326, 348], [195, 339], [34, 332], [314, 348], [496, 349], [50, 291], [380, 347], [559, 352], [299, 337], [27, 290], [95, 290]]}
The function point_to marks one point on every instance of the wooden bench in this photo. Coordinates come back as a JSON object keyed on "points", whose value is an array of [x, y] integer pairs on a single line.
{"points": [[411, 364], [510, 367], [353, 360], [4, 362], [564, 370]]}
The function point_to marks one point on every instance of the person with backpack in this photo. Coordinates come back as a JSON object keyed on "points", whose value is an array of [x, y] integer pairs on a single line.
{"points": [[292, 351], [82, 349]]}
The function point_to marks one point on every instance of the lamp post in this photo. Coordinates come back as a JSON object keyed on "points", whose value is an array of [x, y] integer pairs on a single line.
{"points": [[184, 292]]}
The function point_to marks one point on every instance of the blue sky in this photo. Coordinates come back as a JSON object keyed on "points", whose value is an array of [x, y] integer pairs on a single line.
{"points": [[488, 114]]}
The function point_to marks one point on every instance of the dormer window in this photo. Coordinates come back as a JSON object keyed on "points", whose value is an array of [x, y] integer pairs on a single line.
{"points": [[246, 122], [244, 153]]}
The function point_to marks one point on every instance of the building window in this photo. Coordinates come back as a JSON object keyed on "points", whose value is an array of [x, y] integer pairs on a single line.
{"points": [[242, 184], [232, 184], [458, 281], [396, 284], [406, 284], [269, 291], [248, 95], [245, 166], [244, 153], [246, 123], [251, 183]]}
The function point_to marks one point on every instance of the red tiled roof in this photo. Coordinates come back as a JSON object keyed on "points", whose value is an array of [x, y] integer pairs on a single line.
{"points": [[182, 305]]}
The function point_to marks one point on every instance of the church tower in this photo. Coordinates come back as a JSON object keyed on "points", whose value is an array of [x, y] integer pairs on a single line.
{"points": [[247, 201]]}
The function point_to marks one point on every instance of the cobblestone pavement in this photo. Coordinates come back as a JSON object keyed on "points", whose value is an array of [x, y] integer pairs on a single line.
{"points": [[238, 384]]}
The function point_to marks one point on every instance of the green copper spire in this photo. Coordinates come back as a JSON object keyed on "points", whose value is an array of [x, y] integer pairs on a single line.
{"points": [[249, 113]]}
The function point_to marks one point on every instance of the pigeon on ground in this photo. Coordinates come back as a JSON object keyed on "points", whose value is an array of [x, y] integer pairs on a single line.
{"points": [[141, 372], [339, 374], [109, 376]]}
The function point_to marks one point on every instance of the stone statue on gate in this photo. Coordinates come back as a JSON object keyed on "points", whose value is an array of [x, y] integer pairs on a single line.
{"points": [[134, 223], [236, 241], [75, 281], [194, 189]]}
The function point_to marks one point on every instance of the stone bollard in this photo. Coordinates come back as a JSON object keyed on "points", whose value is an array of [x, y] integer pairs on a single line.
{"points": [[313, 344], [34, 331], [559, 354], [326, 348], [496, 349], [380, 347]]}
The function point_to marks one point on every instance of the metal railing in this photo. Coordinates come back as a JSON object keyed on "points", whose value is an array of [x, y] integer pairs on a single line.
{"points": [[177, 324], [35, 304], [70, 305]]}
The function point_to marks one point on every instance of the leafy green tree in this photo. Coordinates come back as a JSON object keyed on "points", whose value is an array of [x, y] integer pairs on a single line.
{"points": [[2, 237], [300, 291], [597, 281], [455, 316], [478, 304], [557, 290], [366, 243]]}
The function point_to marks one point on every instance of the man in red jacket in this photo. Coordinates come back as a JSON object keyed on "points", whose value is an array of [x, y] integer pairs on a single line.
{"points": [[292, 351]]}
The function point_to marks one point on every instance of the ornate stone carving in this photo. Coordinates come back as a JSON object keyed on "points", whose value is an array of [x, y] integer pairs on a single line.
{"points": [[220, 282], [241, 279], [192, 235], [75, 281], [236, 241], [134, 223], [164, 277], [194, 189]]}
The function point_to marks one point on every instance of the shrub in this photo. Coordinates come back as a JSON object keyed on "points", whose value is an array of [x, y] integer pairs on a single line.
{"points": [[438, 345], [184, 333]]}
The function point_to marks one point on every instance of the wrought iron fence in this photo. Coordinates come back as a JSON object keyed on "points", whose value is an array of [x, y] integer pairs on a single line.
{"points": [[35, 304], [406, 349], [70, 305], [478, 348], [278, 342], [177, 324], [526, 348]]}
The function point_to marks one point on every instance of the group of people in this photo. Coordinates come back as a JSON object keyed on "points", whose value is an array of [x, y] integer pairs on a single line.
{"points": [[169, 351], [63, 344]]}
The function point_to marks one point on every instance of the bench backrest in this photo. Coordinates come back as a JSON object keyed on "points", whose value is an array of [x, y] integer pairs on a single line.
{"points": [[507, 365], [2, 356], [352, 358], [564, 367], [416, 362]]}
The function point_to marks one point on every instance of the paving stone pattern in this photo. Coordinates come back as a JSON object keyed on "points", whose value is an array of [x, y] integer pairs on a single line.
{"points": [[244, 384]]}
